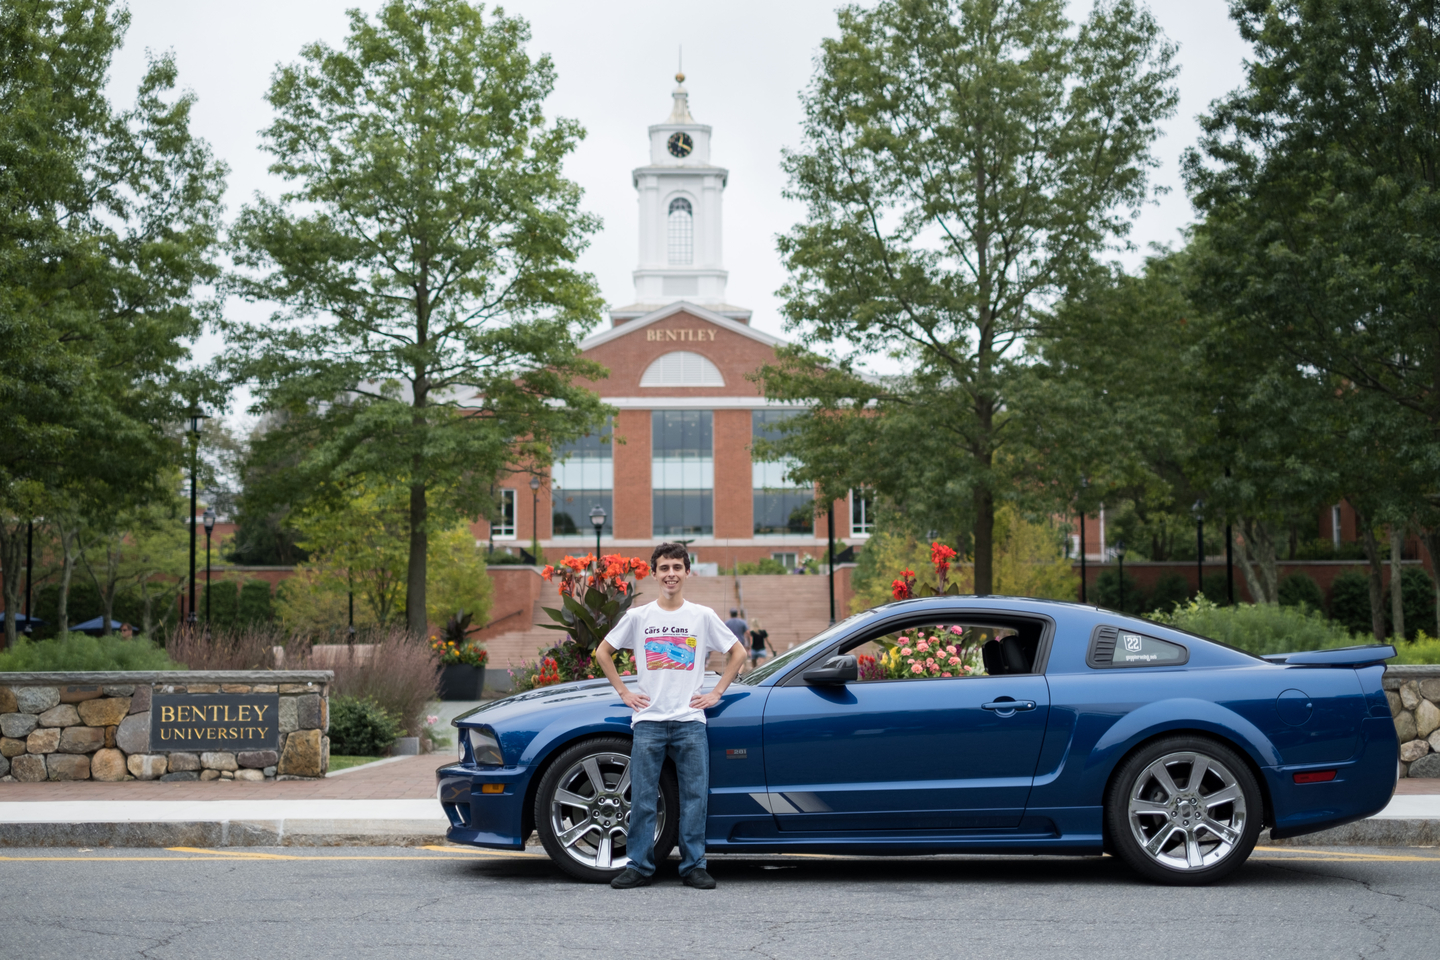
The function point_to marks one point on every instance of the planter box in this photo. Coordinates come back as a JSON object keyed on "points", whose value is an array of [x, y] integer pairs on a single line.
{"points": [[460, 681]]}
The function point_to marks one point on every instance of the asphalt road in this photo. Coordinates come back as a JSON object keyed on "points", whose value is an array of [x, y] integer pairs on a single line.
{"points": [[359, 903]]}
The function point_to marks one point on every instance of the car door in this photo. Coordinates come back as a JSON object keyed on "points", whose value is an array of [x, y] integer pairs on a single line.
{"points": [[932, 754]]}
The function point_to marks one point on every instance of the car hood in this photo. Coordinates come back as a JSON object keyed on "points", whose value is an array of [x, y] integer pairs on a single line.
{"points": [[560, 696]]}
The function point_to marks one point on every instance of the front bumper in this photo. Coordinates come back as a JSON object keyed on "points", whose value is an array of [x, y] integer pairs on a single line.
{"points": [[481, 819]]}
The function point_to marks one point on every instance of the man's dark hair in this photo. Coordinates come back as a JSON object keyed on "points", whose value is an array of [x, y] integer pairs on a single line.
{"points": [[734, 613], [672, 551]]}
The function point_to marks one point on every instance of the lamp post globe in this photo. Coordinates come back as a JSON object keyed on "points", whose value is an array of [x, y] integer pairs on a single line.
{"points": [[597, 518]]}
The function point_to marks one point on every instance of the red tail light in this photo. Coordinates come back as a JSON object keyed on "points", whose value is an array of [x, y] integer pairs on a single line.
{"points": [[1315, 776]]}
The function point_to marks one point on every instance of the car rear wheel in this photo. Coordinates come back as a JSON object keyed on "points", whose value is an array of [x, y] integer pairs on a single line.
{"points": [[1184, 811], [582, 810]]}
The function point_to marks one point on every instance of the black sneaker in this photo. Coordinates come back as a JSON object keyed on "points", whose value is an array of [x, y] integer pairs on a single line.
{"points": [[699, 879], [630, 878]]}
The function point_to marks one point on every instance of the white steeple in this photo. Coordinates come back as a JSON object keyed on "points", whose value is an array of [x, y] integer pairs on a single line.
{"points": [[680, 196]]}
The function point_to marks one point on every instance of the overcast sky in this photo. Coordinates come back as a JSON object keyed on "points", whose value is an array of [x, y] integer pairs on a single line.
{"points": [[745, 60]]}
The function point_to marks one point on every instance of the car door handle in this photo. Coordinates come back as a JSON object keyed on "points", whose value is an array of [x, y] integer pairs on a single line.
{"points": [[1006, 708]]}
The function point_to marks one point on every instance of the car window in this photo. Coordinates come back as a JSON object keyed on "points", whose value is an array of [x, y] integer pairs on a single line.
{"points": [[946, 649], [800, 652], [1116, 647]]}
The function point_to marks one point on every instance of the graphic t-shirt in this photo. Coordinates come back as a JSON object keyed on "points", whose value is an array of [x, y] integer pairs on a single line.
{"points": [[670, 648]]}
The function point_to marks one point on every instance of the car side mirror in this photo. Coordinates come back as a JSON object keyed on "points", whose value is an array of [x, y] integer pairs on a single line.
{"points": [[836, 672]]}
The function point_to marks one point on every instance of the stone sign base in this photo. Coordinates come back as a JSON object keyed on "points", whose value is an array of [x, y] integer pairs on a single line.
{"points": [[96, 726]]}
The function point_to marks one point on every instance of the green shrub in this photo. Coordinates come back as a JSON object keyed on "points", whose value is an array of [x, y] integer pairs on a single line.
{"points": [[1170, 590], [1417, 597], [256, 604], [768, 565], [1300, 588], [360, 727], [1215, 589], [1261, 628], [1423, 649], [76, 651], [1107, 593], [1350, 601]]}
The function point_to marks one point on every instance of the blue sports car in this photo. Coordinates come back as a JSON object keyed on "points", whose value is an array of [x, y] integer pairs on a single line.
{"points": [[960, 725]]}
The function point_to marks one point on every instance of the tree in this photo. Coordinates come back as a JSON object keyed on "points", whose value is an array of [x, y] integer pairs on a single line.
{"points": [[424, 258], [964, 160], [1317, 180], [108, 222]]}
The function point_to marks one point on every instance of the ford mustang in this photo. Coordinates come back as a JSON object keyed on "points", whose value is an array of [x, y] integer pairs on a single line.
{"points": [[961, 725]]}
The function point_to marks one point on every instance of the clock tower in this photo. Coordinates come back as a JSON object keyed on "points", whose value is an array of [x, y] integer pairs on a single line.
{"points": [[680, 195]]}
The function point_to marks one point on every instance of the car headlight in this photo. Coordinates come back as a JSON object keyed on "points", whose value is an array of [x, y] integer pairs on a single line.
{"points": [[485, 748]]}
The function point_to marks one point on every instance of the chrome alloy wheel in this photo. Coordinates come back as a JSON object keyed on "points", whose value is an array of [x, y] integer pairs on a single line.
{"points": [[590, 811], [1186, 827]]}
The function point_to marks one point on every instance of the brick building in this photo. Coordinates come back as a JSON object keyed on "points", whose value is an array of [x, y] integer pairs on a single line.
{"points": [[676, 461]]}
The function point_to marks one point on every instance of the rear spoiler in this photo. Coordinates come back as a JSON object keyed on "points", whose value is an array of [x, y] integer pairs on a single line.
{"points": [[1364, 656]]}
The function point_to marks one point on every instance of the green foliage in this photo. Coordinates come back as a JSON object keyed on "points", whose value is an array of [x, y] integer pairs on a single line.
{"points": [[237, 604], [1417, 598], [1106, 592], [359, 726], [76, 651], [1217, 590], [257, 604], [1260, 628], [967, 161], [765, 565], [1423, 649], [108, 225], [1170, 590], [1299, 587], [423, 255], [1350, 602]]}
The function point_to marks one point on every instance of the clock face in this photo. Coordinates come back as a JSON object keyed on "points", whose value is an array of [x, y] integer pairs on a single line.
{"points": [[680, 145]]}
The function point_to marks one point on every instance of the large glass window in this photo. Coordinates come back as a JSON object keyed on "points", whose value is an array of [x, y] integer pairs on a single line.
{"points": [[682, 473], [583, 478], [681, 232], [505, 520], [949, 649], [781, 507]]}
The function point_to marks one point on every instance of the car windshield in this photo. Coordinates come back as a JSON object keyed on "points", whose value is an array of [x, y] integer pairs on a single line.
{"points": [[803, 650]]}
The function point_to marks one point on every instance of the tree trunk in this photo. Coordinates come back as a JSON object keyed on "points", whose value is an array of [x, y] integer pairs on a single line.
{"points": [[1377, 584], [1431, 539], [1257, 561], [415, 569], [984, 541], [68, 538], [12, 568], [1397, 598]]}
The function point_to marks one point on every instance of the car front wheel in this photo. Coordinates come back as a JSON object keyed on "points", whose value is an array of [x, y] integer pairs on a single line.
{"points": [[1184, 811], [582, 810]]}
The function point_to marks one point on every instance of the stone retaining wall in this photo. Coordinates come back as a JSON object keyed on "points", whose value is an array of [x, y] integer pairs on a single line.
{"points": [[1414, 695], [84, 726]]}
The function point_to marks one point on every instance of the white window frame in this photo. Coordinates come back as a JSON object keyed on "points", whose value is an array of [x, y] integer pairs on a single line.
{"points": [[500, 530], [867, 525]]}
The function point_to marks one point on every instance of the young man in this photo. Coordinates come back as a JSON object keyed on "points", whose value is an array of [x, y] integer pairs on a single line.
{"points": [[671, 638]]}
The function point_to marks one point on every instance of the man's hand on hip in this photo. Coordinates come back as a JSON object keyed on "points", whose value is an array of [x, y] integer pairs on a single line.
{"points": [[635, 701], [704, 701]]}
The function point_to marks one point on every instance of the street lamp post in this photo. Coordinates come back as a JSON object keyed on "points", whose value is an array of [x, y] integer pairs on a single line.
{"points": [[1083, 484], [535, 516], [29, 576], [195, 417], [597, 519], [209, 527], [1199, 510], [1120, 555]]}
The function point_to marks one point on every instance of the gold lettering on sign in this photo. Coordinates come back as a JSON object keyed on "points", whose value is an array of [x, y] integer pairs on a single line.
{"points": [[695, 336]]}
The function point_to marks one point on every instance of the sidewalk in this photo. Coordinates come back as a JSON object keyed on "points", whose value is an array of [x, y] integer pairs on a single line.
{"points": [[392, 803]]}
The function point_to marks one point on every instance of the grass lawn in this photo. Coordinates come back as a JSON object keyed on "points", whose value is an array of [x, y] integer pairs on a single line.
{"points": [[340, 763]]}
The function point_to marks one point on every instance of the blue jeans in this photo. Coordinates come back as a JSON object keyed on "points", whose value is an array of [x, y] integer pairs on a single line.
{"points": [[686, 743]]}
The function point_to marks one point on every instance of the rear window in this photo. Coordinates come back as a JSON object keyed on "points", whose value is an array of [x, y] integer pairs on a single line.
{"points": [[1116, 647]]}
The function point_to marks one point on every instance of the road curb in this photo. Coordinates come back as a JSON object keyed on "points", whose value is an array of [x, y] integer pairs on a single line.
{"points": [[226, 833], [1374, 832]]}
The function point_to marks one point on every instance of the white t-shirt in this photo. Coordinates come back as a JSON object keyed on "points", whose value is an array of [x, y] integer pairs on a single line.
{"points": [[670, 648]]}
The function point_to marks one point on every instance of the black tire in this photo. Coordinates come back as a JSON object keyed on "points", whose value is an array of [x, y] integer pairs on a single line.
{"points": [[587, 856], [1186, 835]]}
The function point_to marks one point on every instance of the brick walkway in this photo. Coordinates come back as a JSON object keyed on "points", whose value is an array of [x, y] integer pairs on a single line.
{"points": [[412, 778]]}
